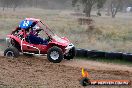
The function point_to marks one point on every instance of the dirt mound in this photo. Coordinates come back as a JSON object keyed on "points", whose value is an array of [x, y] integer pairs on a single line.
{"points": [[94, 65], [38, 72]]}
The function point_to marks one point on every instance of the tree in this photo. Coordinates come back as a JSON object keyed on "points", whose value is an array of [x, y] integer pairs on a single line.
{"points": [[115, 7], [10, 4], [16, 3], [88, 4], [100, 4], [5, 3]]}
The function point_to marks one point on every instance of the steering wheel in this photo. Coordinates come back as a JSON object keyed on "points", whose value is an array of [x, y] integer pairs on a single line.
{"points": [[38, 30], [48, 38]]}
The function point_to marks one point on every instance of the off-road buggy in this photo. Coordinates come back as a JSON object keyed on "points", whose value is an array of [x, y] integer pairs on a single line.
{"points": [[56, 49]]}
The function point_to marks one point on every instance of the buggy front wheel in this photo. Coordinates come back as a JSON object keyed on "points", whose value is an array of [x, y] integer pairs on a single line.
{"points": [[55, 54]]}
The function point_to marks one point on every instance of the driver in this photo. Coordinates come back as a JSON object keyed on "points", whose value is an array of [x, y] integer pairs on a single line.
{"points": [[33, 36]]}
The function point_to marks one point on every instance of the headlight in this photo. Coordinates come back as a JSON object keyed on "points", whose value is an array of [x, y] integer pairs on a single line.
{"points": [[70, 46]]}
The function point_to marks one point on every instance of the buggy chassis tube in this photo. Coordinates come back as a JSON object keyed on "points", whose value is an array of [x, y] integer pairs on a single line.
{"points": [[29, 46]]}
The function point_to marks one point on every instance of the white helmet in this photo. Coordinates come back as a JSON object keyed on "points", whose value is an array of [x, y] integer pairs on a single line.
{"points": [[36, 27]]}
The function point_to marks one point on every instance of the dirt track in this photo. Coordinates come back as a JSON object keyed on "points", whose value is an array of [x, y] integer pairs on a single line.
{"points": [[38, 72]]}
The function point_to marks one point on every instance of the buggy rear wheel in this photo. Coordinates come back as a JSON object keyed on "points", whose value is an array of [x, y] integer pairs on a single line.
{"points": [[11, 52], [55, 54]]}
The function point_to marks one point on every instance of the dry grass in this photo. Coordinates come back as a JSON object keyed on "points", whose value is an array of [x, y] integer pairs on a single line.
{"points": [[109, 34], [116, 33]]}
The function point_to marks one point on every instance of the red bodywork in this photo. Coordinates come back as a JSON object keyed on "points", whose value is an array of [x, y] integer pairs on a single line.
{"points": [[25, 46]]}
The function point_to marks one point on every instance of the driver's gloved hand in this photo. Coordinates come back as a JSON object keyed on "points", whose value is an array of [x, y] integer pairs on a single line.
{"points": [[48, 39]]}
